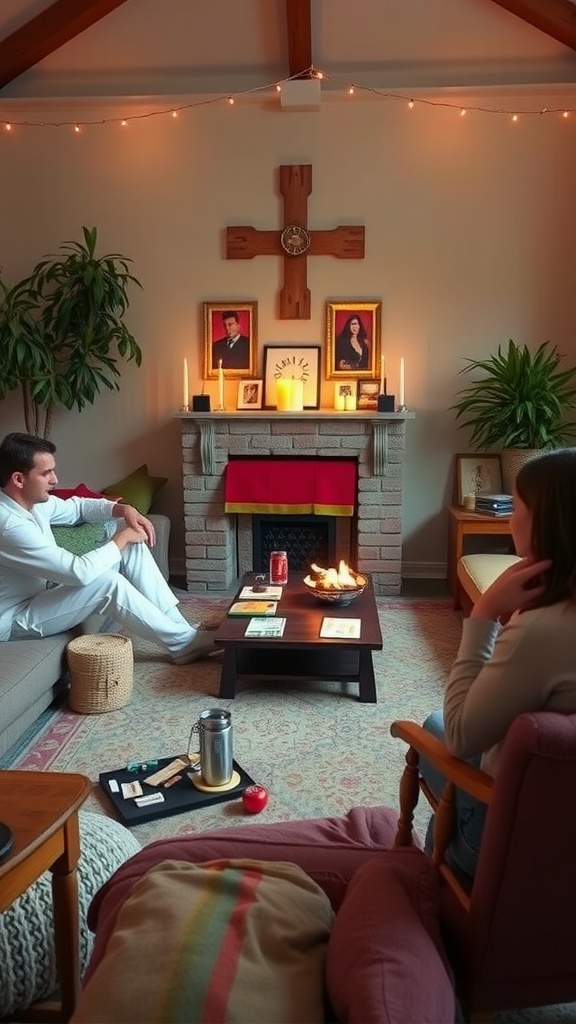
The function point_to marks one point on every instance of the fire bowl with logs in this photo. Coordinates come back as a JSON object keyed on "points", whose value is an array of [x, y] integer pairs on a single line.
{"points": [[335, 586]]}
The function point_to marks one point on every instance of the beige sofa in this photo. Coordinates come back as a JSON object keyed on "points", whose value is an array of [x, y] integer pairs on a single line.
{"points": [[475, 573], [33, 672]]}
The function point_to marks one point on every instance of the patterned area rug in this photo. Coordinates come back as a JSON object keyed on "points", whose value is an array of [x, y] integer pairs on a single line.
{"points": [[313, 745]]}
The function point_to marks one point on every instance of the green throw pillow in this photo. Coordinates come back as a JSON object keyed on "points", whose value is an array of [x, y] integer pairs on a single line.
{"points": [[138, 488], [79, 539]]}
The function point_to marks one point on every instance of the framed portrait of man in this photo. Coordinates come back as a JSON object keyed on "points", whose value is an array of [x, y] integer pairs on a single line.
{"points": [[230, 336]]}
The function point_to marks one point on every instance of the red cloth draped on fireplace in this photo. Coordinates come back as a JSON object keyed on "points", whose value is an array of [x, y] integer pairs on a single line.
{"points": [[324, 487]]}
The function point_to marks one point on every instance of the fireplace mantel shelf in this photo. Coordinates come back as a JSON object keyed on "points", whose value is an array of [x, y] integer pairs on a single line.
{"points": [[313, 414]]}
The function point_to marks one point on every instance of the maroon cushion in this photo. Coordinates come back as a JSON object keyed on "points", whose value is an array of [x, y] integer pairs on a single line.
{"points": [[328, 849], [80, 491], [386, 961]]}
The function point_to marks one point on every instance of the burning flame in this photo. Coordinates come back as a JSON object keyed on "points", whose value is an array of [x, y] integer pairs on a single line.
{"points": [[342, 578]]}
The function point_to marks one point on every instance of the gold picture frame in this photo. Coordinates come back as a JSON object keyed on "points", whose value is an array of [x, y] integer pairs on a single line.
{"points": [[353, 349], [230, 334]]}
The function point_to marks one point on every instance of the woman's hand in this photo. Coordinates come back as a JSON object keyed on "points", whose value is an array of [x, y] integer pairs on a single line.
{"points": [[518, 585]]}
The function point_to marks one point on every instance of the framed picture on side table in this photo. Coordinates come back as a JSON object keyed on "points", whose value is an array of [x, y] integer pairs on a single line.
{"points": [[286, 362], [476, 473]]}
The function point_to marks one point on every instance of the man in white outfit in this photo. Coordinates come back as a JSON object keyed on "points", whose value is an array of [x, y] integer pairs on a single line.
{"points": [[45, 589]]}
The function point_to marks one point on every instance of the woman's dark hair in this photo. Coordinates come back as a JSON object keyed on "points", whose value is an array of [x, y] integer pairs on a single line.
{"points": [[346, 333], [547, 486], [17, 454]]}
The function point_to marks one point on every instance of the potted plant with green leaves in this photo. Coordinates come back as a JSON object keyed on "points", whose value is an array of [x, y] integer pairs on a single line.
{"points": [[519, 404], [62, 331]]}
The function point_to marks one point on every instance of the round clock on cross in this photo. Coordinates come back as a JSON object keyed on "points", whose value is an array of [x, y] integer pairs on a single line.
{"points": [[295, 240]]}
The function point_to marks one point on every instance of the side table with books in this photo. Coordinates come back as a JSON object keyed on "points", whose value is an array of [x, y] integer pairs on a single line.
{"points": [[462, 523]]}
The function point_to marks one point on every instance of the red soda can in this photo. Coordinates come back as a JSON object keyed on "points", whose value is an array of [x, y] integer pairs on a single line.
{"points": [[278, 568]]}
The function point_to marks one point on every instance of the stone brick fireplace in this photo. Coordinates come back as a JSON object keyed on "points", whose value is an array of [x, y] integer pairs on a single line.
{"points": [[219, 545]]}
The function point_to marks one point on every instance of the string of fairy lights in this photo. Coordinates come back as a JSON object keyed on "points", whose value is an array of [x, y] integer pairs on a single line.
{"points": [[77, 126]]}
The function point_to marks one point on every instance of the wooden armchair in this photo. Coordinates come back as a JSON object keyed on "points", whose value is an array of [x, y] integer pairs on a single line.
{"points": [[510, 930]]}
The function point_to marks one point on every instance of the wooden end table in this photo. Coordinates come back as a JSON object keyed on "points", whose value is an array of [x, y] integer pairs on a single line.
{"points": [[41, 809], [461, 524], [301, 652]]}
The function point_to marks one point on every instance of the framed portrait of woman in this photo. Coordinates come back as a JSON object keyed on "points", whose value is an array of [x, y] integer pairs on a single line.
{"points": [[353, 339]]}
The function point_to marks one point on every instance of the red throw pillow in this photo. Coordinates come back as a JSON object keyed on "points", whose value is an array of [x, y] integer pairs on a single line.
{"points": [[80, 491]]}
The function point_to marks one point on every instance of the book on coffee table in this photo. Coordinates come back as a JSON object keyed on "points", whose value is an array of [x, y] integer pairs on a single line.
{"points": [[340, 629], [261, 592], [253, 608], [265, 627]]}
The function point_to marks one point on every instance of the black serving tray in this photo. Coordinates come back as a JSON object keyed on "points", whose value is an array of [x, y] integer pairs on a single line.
{"points": [[180, 797]]}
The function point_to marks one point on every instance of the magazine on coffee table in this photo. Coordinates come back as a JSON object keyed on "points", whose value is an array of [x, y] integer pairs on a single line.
{"points": [[340, 629], [261, 592], [265, 627], [253, 608]]}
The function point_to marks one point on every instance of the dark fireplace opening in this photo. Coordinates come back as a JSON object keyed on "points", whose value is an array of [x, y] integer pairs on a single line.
{"points": [[306, 539]]}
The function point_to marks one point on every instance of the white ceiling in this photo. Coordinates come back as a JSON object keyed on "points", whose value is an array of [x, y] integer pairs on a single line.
{"points": [[155, 48]]}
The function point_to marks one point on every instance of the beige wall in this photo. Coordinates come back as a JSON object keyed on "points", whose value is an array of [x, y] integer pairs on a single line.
{"points": [[470, 240]]}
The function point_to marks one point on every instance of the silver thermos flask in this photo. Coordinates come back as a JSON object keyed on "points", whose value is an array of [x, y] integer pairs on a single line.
{"points": [[216, 748]]}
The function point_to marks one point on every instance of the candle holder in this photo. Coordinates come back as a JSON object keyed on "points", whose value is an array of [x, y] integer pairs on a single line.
{"points": [[386, 403], [402, 408]]}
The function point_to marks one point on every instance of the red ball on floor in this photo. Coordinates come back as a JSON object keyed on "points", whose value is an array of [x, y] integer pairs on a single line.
{"points": [[255, 799]]}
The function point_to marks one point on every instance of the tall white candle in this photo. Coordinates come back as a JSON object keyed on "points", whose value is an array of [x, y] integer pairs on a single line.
{"points": [[185, 385], [401, 392], [382, 376], [220, 385]]}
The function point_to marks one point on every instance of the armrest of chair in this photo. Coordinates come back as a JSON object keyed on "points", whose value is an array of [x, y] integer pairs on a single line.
{"points": [[457, 773], [473, 780]]}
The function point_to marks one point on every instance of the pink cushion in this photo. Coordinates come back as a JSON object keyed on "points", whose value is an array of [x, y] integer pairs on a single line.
{"points": [[386, 963], [80, 491]]}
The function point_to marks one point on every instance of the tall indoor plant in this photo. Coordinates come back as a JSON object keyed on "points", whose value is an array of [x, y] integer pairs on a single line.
{"points": [[520, 402], [62, 331]]}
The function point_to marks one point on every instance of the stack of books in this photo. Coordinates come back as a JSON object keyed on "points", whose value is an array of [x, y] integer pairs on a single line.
{"points": [[494, 504]]}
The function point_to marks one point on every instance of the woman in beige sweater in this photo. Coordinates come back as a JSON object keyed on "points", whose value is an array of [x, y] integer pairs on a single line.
{"points": [[518, 648]]}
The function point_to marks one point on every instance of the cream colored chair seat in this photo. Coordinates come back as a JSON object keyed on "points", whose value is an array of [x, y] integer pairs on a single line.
{"points": [[475, 573]]}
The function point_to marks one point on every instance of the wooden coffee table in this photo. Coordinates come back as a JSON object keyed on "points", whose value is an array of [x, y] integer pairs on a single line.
{"points": [[300, 651]]}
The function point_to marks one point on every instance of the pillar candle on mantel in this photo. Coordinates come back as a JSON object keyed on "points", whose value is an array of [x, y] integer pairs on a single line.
{"points": [[185, 397], [338, 399], [220, 385], [283, 395], [297, 395], [401, 388], [350, 403]]}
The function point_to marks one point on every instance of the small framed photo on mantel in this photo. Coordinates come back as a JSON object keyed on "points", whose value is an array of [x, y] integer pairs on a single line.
{"points": [[249, 394]]}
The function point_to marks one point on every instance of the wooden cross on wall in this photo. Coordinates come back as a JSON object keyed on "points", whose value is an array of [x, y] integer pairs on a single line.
{"points": [[295, 242]]}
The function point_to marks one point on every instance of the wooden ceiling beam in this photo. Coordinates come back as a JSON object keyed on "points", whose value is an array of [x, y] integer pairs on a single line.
{"points": [[299, 36], [557, 18], [49, 30]]}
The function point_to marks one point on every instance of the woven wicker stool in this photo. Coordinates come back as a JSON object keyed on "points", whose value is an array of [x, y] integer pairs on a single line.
{"points": [[101, 672]]}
